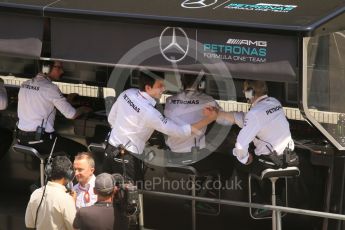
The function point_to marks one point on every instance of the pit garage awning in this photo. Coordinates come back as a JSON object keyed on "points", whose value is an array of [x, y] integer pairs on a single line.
{"points": [[249, 38], [21, 28], [21, 35], [167, 47]]}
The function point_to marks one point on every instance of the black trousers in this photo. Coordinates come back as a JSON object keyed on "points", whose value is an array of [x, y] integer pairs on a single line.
{"points": [[6, 138], [63, 146], [133, 165], [262, 188]]}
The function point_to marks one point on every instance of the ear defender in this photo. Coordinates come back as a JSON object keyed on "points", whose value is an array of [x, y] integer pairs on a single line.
{"points": [[249, 93], [48, 170], [69, 173], [45, 69]]}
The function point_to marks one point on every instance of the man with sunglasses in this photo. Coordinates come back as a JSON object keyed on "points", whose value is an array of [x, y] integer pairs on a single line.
{"points": [[38, 100]]}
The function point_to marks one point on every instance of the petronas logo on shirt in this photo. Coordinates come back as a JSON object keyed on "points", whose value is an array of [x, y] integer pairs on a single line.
{"points": [[32, 87], [130, 102], [163, 119], [275, 109], [185, 102]]}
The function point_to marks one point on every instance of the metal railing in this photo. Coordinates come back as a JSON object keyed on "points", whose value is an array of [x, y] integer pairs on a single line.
{"points": [[67, 88], [248, 205]]}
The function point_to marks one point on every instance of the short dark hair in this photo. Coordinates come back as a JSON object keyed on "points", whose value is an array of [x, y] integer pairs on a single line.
{"points": [[188, 80], [147, 77], [60, 167]]}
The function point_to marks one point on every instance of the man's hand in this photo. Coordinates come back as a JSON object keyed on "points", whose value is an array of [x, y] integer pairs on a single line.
{"points": [[211, 112], [85, 109], [74, 195], [250, 159], [72, 98], [82, 110]]}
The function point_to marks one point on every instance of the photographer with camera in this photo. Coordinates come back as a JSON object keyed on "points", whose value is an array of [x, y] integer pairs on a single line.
{"points": [[101, 215], [51, 206], [38, 100]]}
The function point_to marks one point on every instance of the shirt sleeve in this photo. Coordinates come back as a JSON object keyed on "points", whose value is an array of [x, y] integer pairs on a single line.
{"points": [[251, 127], [156, 120], [3, 96], [29, 216], [220, 120], [61, 103], [69, 212], [239, 118], [168, 109], [112, 114]]}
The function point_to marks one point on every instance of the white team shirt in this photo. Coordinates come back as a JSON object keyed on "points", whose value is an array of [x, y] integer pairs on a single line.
{"points": [[3, 96], [266, 125], [133, 119], [81, 190], [186, 108], [37, 100]]}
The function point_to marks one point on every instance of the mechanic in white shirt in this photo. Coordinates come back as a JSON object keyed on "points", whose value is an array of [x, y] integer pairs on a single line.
{"points": [[38, 100], [133, 119], [5, 134], [185, 108], [265, 125], [84, 167]]}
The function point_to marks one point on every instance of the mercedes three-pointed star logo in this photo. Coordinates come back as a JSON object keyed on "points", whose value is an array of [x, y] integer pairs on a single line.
{"points": [[178, 44], [197, 3]]}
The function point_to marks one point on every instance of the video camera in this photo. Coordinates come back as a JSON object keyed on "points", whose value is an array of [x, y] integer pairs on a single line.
{"points": [[127, 198]]}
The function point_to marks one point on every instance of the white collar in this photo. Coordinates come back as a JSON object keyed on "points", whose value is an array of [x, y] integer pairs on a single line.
{"points": [[259, 99], [42, 76], [146, 96], [57, 185], [90, 183]]}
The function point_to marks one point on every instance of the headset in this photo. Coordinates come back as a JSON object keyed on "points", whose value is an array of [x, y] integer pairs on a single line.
{"points": [[249, 93], [69, 174], [195, 81], [46, 67]]}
